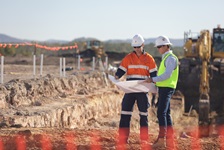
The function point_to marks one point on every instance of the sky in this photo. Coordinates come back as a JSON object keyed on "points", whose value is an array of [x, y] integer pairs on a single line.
{"points": [[107, 19]]}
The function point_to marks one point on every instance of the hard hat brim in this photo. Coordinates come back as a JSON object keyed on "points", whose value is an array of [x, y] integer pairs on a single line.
{"points": [[135, 45], [164, 44]]}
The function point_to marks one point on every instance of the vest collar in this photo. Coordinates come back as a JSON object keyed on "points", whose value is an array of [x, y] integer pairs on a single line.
{"points": [[168, 52]]}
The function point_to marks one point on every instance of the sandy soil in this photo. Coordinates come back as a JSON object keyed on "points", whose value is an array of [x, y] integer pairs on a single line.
{"points": [[100, 133]]}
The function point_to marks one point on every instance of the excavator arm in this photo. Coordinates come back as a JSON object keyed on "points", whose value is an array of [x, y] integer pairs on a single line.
{"points": [[204, 49]]}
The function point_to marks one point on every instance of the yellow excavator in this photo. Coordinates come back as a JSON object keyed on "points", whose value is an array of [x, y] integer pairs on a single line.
{"points": [[201, 72]]}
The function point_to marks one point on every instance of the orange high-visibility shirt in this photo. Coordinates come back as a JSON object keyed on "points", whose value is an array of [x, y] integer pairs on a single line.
{"points": [[138, 67]]}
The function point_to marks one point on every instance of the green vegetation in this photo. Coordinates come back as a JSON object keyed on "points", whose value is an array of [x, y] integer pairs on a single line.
{"points": [[8, 51]]}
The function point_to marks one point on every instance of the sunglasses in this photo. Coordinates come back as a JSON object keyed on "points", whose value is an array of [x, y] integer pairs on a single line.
{"points": [[137, 46], [160, 46]]}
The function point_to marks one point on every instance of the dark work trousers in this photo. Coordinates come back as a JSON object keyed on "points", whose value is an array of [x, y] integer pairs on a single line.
{"points": [[126, 113], [163, 111]]}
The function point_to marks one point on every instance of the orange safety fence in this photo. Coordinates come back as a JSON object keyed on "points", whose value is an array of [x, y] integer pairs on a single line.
{"points": [[20, 142], [221, 136], [70, 139], [46, 142], [96, 142], [51, 48], [1, 144], [195, 143]]}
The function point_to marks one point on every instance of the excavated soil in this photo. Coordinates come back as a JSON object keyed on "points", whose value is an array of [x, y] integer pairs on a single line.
{"points": [[80, 111]]}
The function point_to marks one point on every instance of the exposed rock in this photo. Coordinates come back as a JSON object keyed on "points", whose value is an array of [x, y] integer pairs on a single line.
{"points": [[57, 102]]}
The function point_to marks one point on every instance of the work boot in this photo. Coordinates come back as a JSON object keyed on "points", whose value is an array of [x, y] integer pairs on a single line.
{"points": [[159, 143], [122, 145], [123, 138], [170, 144]]}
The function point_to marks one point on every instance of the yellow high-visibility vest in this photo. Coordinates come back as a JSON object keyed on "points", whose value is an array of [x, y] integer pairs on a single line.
{"points": [[172, 81]]}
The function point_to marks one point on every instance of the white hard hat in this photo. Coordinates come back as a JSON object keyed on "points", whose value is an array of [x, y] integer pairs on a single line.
{"points": [[162, 40], [137, 40]]}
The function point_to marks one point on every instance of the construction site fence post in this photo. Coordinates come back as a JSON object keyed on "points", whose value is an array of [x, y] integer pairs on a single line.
{"points": [[2, 68], [34, 66], [93, 63], [106, 62], [63, 66], [41, 64], [60, 66], [78, 62]]}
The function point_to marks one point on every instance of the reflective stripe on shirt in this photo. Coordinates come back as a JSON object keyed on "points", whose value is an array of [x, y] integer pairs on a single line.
{"points": [[136, 76], [138, 66], [123, 68]]}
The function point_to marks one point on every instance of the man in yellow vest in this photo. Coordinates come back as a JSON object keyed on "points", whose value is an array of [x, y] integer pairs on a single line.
{"points": [[166, 81]]}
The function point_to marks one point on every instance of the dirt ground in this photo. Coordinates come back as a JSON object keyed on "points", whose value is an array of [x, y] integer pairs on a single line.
{"points": [[98, 133]]}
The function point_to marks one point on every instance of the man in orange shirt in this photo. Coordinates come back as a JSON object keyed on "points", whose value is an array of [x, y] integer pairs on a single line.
{"points": [[137, 65]]}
